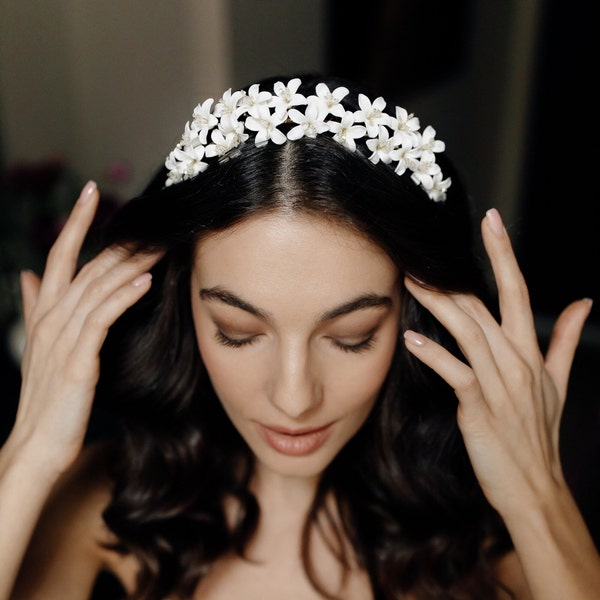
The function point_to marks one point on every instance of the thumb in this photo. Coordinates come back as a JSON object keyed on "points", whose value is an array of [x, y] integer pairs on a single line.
{"points": [[30, 289], [564, 341]]}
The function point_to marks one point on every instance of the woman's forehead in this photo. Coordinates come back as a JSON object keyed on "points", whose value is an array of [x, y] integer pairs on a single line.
{"points": [[283, 237], [283, 257]]}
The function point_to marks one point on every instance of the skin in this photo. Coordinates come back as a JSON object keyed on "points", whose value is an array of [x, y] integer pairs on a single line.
{"points": [[510, 400], [297, 363]]}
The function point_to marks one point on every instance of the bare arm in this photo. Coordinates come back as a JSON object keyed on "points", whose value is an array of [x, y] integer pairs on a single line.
{"points": [[510, 404], [67, 317]]}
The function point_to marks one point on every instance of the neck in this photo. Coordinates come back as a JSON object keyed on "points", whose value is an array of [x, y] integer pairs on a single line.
{"points": [[283, 494]]}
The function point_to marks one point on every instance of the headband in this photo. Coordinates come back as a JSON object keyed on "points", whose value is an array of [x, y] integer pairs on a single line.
{"points": [[394, 140]]}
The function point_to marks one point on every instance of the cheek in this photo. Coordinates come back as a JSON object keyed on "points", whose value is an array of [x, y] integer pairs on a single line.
{"points": [[226, 380], [357, 384], [234, 377]]}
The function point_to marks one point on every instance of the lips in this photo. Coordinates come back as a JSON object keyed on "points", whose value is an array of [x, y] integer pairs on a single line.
{"points": [[295, 442]]}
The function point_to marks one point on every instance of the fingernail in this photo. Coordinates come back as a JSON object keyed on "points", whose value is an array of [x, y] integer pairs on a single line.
{"points": [[87, 191], [414, 338], [142, 279], [495, 221]]}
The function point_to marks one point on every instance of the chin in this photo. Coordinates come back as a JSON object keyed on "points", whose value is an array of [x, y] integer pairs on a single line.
{"points": [[303, 467]]}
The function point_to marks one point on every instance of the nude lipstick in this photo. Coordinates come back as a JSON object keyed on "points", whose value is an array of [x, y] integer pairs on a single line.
{"points": [[298, 442]]}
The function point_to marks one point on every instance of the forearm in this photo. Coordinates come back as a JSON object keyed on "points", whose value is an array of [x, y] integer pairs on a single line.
{"points": [[555, 549], [25, 484]]}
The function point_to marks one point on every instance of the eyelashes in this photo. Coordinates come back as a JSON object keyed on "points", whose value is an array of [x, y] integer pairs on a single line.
{"points": [[361, 346], [233, 343]]}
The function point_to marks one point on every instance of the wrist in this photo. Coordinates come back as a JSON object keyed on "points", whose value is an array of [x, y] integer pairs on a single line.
{"points": [[22, 454], [555, 548], [549, 504]]}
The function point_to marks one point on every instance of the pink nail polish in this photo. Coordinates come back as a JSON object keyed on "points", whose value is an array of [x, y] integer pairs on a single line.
{"points": [[414, 338], [495, 221], [87, 191], [142, 279]]}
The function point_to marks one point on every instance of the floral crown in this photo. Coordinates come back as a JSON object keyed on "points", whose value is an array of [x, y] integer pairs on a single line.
{"points": [[391, 139]]}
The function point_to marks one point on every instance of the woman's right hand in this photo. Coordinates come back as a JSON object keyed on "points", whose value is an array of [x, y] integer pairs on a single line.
{"points": [[67, 316]]}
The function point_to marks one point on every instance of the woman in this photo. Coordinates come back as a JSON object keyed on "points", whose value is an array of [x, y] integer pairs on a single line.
{"points": [[315, 398]]}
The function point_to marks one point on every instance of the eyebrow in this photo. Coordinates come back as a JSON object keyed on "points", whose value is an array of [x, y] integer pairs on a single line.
{"points": [[361, 302]]}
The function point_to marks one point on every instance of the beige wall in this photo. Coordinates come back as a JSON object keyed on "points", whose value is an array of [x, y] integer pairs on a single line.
{"points": [[109, 80]]}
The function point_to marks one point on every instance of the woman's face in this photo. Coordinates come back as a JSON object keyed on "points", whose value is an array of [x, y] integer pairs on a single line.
{"points": [[297, 321]]}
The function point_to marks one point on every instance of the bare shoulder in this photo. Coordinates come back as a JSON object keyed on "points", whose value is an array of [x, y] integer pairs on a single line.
{"points": [[510, 573], [67, 550]]}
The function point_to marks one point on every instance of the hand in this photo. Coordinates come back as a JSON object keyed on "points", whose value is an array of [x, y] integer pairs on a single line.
{"points": [[67, 318], [510, 397]]}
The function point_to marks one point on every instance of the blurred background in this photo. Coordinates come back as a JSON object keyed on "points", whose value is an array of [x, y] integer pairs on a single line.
{"points": [[102, 90]]}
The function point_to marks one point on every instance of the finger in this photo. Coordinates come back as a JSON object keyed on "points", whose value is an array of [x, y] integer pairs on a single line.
{"points": [[62, 258], [65, 319], [97, 323], [563, 343], [469, 335], [515, 369], [455, 373], [513, 295], [113, 261], [30, 289]]}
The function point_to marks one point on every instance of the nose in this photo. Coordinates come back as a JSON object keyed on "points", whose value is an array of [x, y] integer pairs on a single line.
{"points": [[295, 389]]}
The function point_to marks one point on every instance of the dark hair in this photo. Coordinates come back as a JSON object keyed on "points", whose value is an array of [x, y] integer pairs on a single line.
{"points": [[408, 499]]}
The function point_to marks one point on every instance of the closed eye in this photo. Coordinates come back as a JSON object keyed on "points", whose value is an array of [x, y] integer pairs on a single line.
{"points": [[234, 342], [362, 346]]}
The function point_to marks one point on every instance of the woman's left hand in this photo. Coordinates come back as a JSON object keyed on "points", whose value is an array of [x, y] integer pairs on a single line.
{"points": [[510, 397]]}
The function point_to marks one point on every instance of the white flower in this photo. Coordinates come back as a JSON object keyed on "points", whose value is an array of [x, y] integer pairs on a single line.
{"points": [[204, 121], [381, 146], [228, 104], [265, 124], [254, 97], [223, 142], [229, 135], [370, 114], [172, 179], [229, 122], [230, 125], [190, 136], [285, 95], [429, 143], [435, 186], [404, 126], [407, 157], [346, 132], [310, 123], [426, 165], [175, 173], [185, 163], [330, 101]]}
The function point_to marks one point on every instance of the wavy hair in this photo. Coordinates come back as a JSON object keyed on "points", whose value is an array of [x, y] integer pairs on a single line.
{"points": [[407, 498]]}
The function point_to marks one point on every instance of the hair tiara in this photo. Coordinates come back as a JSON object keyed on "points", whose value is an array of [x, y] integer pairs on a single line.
{"points": [[394, 140]]}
